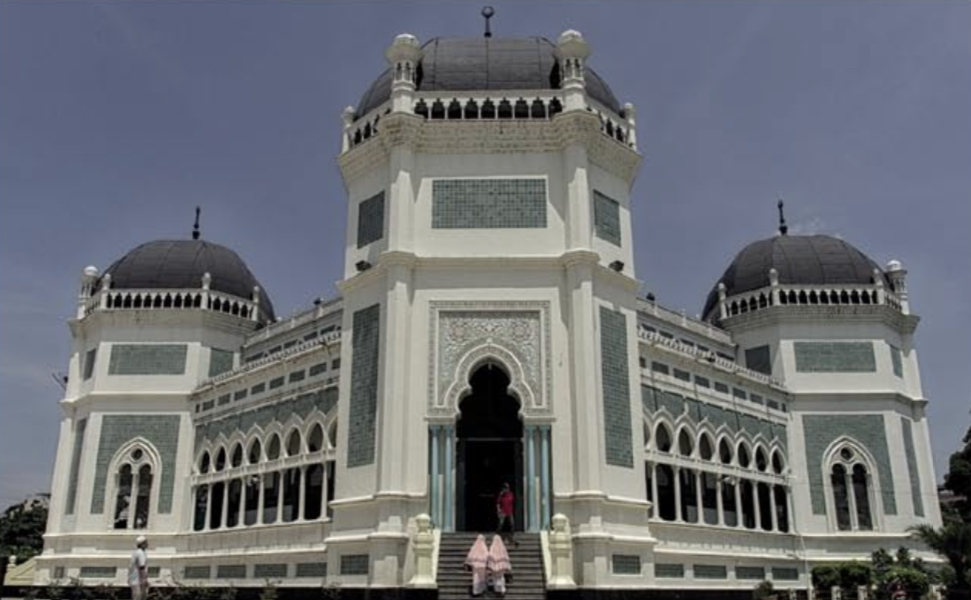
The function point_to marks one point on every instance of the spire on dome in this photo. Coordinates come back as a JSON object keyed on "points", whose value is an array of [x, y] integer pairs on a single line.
{"points": [[195, 226], [783, 228], [487, 13]]}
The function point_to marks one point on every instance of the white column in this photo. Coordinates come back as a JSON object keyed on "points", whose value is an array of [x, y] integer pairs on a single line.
{"points": [[433, 474], [546, 497], [302, 500], [530, 492], [655, 510], [700, 511], [208, 507], [739, 519], [241, 519], [677, 494], [757, 504], [449, 494], [224, 516], [280, 484], [719, 502], [775, 508]]}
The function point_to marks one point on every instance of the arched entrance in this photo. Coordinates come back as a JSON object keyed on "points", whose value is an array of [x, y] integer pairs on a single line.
{"points": [[489, 450]]}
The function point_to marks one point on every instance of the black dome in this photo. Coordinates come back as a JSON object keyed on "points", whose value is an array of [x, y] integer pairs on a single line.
{"points": [[472, 64], [799, 259], [180, 264]]}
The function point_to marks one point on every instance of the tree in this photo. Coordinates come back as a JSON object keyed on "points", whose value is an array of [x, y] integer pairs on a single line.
{"points": [[953, 543], [900, 571], [22, 529], [958, 478]]}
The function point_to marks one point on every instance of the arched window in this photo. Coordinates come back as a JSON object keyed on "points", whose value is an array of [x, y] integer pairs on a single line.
{"points": [[237, 458], [662, 440], [273, 448], [204, 463], [761, 462], [704, 448], [221, 459], [255, 452], [725, 452], [685, 446], [744, 457], [133, 490], [293, 443], [777, 466], [315, 441], [852, 490]]}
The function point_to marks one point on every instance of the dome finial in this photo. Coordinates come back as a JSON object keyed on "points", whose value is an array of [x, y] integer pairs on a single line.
{"points": [[487, 12], [195, 227], [783, 228]]}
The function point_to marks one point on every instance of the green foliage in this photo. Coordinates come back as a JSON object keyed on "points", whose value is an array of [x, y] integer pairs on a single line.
{"points": [[958, 478], [22, 530], [764, 591], [899, 571], [825, 577], [853, 574], [953, 543]]}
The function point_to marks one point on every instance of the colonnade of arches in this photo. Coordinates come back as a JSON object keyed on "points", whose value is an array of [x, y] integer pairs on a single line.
{"points": [[731, 482], [277, 476]]}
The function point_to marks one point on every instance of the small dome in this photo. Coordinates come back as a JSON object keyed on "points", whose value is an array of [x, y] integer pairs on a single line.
{"points": [[474, 64], [181, 264], [799, 259]]}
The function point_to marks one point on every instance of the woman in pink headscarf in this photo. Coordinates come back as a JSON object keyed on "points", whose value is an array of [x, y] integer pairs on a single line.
{"points": [[478, 561], [498, 564]]}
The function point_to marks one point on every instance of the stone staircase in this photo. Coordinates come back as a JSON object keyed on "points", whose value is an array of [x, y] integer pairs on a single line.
{"points": [[527, 581]]}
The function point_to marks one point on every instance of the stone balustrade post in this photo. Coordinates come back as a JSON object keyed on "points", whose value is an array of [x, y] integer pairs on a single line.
{"points": [[424, 547], [561, 554]]}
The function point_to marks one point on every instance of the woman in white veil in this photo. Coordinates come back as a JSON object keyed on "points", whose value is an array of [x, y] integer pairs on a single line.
{"points": [[477, 561]]}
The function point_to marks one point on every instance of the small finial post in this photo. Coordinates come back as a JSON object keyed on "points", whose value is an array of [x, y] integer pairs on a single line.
{"points": [[783, 228], [487, 13], [195, 227]]}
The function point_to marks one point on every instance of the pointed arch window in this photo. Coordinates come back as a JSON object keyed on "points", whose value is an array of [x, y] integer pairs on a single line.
{"points": [[133, 490], [852, 485]]}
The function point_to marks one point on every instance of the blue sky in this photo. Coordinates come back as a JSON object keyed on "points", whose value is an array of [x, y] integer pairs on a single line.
{"points": [[117, 119]]}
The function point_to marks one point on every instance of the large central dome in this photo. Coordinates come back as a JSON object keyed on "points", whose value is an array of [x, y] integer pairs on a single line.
{"points": [[474, 64]]}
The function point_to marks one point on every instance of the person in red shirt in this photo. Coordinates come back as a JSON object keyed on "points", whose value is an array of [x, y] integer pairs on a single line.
{"points": [[505, 507]]}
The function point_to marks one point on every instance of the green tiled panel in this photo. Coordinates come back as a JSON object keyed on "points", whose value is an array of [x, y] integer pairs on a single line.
{"points": [[364, 387], [98, 572], [89, 359], [197, 572], [674, 403], [835, 357], [231, 572], [72, 484], [162, 431], [370, 220], [147, 359], [822, 430], [694, 409], [897, 361], [616, 388], [488, 203], [220, 361], [785, 573], [606, 218], [354, 564], [264, 416], [759, 359], [750, 573], [626, 564], [711, 572], [270, 571], [668, 571], [912, 466], [317, 569], [648, 398]]}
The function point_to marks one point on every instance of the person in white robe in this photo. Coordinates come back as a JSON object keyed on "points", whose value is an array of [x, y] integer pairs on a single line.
{"points": [[499, 564], [477, 561]]}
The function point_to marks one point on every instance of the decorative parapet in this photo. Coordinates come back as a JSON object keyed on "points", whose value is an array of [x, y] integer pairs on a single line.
{"points": [[514, 105], [709, 357], [808, 295], [178, 299]]}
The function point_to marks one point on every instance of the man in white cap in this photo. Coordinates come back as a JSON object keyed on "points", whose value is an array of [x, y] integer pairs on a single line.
{"points": [[138, 570]]}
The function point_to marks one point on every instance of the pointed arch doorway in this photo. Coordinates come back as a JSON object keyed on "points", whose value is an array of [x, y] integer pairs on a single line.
{"points": [[489, 450]]}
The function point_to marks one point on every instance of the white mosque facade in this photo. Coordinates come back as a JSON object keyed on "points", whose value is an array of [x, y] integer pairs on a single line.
{"points": [[488, 329]]}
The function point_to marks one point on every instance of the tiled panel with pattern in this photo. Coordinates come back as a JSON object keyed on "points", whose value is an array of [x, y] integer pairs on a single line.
{"points": [[220, 361], [162, 431], [907, 426], [488, 203], [370, 220], [147, 359], [354, 564], [834, 357], [606, 218], [626, 564], [618, 437], [668, 571], [365, 354], [820, 431], [897, 361], [759, 359], [711, 572], [72, 484]]}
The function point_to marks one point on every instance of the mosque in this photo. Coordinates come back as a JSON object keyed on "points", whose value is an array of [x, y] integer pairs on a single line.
{"points": [[488, 329]]}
